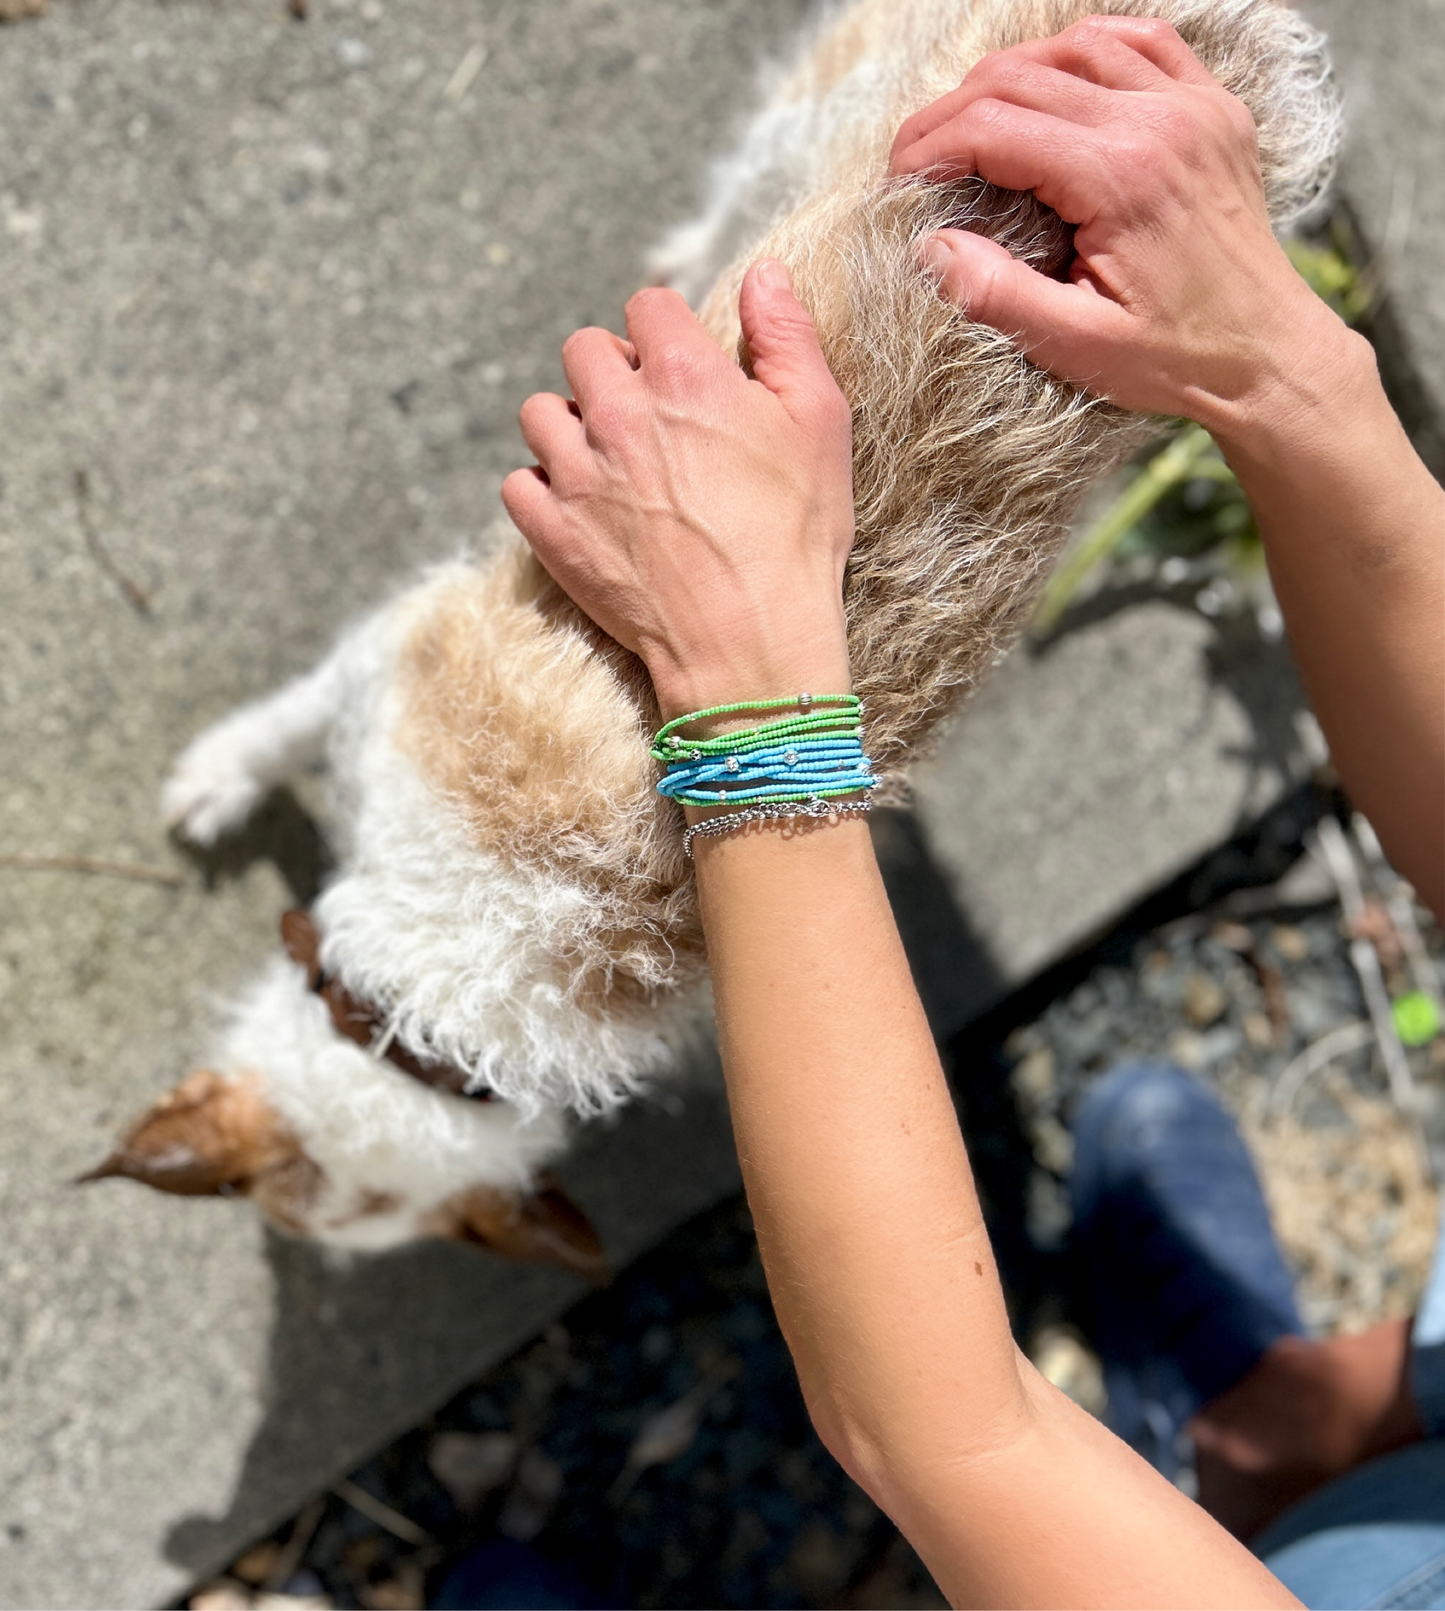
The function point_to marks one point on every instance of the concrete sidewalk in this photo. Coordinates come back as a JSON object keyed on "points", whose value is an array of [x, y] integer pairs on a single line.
{"points": [[272, 294]]}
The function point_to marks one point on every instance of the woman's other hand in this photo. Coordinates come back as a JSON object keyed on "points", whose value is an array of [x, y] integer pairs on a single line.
{"points": [[700, 517], [1179, 301]]}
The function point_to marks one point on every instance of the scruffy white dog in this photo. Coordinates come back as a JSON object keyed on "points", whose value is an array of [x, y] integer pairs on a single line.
{"points": [[512, 938]]}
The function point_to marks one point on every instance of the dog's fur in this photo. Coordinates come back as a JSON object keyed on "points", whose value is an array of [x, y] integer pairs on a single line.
{"points": [[513, 892]]}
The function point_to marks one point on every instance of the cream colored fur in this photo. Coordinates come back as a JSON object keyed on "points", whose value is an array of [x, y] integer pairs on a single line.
{"points": [[512, 890]]}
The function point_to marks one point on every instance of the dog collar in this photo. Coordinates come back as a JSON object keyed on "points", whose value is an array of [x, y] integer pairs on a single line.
{"points": [[363, 1023]]}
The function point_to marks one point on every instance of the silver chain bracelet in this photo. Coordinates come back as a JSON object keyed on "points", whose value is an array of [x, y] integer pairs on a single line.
{"points": [[779, 810]]}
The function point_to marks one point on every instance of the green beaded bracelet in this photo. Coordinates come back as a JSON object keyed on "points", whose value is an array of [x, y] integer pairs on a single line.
{"points": [[668, 744]]}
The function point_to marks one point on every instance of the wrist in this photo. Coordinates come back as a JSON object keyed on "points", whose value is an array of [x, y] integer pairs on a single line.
{"points": [[816, 664], [1308, 380]]}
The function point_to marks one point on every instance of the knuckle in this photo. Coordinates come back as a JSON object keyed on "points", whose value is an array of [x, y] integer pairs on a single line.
{"points": [[608, 417], [987, 115], [1240, 121], [1157, 28], [1176, 125], [675, 363], [1013, 71], [1139, 159]]}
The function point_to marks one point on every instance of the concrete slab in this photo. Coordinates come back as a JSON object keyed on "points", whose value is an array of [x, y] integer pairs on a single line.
{"points": [[1390, 58], [276, 295]]}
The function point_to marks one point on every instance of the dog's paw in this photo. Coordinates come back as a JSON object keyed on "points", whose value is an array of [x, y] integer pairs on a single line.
{"points": [[208, 795]]}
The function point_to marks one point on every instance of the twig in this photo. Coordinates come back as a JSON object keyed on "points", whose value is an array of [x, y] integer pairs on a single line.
{"points": [[295, 1546], [93, 864], [1335, 848], [466, 72], [382, 1514], [1177, 462], [135, 596], [1399, 902], [1347, 1038]]}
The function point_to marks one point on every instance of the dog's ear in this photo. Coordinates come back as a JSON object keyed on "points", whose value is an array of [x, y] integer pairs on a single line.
{"points": [[209, 1137], [542, 1227]]}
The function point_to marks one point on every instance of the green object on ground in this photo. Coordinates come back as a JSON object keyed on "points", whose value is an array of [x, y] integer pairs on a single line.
{"points": [[1417, 1018]]}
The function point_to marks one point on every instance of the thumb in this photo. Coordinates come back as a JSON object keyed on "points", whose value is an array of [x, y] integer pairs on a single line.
{"points": [[781, 339], [993, 287]]}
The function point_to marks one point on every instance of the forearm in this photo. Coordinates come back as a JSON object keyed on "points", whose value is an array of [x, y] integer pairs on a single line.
{"points": [[1354, 530], [880, 1268], [847, 1135]]}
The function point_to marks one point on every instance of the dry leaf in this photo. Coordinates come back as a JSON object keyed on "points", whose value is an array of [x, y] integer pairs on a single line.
{"points": [[471, 1465]]}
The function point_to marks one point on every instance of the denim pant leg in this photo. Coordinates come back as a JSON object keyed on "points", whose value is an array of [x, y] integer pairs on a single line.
{"points": [[1427, 1349], [1372, 1538], [1376, 1536]]}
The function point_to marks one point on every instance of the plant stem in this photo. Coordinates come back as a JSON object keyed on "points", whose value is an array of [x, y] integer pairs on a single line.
{"points": [[1167, 469]]}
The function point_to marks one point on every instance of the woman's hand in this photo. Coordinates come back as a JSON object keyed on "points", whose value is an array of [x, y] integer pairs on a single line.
{"points": [[1180, 301], [701, 518]]}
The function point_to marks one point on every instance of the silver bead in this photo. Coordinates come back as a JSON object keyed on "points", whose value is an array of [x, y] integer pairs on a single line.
{"points": [[676, 741], [731, 763], [804, 701], [697, 755], [791, 757]]}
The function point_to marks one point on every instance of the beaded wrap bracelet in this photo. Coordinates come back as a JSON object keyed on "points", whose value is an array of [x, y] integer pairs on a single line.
{"points": [[812, 756]]}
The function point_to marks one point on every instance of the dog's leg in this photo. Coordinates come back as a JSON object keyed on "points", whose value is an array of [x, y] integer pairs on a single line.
{"points": [[227, 770]]}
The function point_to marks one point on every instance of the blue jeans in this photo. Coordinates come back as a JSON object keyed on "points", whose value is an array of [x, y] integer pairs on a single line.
{"points": [[1376, 1536]]}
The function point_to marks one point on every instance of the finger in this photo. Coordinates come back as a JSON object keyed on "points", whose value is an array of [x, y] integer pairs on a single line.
{"points": [[1039, 74], [1157, 41], [1067, 166], [594, 361], [552, 429], [528, 500], [992, 287], [782, 339], [1111, 53], [667, 337]]}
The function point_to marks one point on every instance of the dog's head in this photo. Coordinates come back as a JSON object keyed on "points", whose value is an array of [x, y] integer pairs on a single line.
{"points": [[339, 1146]]}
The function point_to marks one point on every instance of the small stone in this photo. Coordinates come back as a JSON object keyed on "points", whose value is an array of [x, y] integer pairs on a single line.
{"points": [[1258, 1030], [258, 1563], [223, 1595], [1290, 943], [1035, 1075], [1204, 999], [1188, 1050], [1053, 1145]]}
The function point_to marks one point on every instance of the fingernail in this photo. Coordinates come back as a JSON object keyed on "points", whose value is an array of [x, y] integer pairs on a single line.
{"points": [[935, 255], [773, 275]]}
